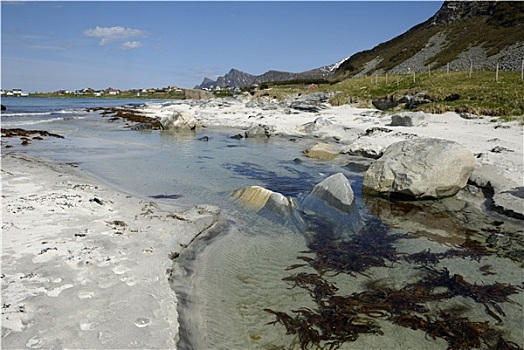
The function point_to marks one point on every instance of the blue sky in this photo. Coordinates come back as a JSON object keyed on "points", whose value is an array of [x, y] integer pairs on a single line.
{"points": [[47, 46]]}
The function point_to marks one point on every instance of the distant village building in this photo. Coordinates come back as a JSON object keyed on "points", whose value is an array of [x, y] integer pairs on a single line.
{"points": [[312, 87], [112, 91]]}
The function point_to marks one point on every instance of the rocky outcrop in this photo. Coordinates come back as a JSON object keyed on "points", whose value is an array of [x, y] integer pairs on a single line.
{"points": [[507, 196], [446, 39], [179, 121], [420, 168], [336, 191]]}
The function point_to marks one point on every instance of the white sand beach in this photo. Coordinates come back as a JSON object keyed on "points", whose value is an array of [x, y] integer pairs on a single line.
{"points": [[84, 265]]}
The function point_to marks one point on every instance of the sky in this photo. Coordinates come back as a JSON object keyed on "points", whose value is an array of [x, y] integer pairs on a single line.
{"points": [[68, 45]]}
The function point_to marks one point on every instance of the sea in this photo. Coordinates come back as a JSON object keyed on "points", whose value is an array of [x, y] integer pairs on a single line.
{"points": [[381, 275]]}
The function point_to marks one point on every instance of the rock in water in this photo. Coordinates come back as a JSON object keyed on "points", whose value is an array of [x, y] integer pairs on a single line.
{"points": [[272, 205], [322, 151], [335, 191], [257, 131], [257, 197], [420, 168], [179, 121], [4, 108]]}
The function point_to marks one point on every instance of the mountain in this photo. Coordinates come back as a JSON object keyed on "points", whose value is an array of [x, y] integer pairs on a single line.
{"points": [[462, 34], [236, 78]]}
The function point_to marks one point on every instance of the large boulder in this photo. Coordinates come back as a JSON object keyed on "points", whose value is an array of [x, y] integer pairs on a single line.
{"points": [[179, 121], [336, 191], [322, 151], [420, 168]]}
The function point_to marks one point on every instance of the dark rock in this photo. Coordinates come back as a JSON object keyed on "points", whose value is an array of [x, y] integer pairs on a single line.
{"points": [[237, 137], [142, 127], [4, 108], [465, 115], [407, 119], [204, 138], [452, 97], [384, 103]]}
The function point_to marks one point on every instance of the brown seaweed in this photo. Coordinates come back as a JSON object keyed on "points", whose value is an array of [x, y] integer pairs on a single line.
{"points": [[343, 318]]}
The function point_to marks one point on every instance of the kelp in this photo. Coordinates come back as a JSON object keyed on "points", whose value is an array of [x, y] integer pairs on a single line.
{"points": [[343, 318]]}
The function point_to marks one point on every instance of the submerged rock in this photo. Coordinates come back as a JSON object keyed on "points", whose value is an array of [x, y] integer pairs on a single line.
{"points": [[335, 191], [421, 168], [268, 202]]}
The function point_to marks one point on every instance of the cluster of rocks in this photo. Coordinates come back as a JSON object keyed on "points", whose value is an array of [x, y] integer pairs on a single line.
{"points": [[409, 101]]}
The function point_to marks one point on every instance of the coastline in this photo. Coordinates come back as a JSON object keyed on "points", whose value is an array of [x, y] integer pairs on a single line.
{"points": [[496, 144], [99, 256], [84, 265]]}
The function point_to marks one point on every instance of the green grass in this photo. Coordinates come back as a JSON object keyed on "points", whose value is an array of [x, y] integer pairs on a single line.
{"points": [[481, 94]]}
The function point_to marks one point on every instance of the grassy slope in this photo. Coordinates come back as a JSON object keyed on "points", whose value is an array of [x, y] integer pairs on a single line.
{"points": [[481, 94]]}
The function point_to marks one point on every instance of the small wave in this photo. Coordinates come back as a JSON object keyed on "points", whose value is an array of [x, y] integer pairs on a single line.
{"points": [[39, 121], [41, 114], [26, 114]]}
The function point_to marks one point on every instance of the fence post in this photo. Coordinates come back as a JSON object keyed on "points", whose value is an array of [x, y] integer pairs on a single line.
{"points": [[386, 78], [470, 67], [447, 70], [522, 71], [497, 74], [414, 79]]}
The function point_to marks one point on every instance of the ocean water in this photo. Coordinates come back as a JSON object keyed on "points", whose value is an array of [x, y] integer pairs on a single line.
{"points": [[233, 282]]}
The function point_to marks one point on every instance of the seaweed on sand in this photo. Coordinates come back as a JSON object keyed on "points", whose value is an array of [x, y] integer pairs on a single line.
{"points": [[371, 247], [339, 319]]}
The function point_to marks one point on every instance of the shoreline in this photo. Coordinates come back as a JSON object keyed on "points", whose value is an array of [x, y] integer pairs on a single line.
{"points": [[496, 144], [73, 241], [84, 265]]}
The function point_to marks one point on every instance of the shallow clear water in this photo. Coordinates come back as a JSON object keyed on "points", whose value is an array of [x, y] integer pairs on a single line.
{"points": [[226, 280]]}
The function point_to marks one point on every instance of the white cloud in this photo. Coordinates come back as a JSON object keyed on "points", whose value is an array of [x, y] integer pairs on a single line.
{"points": [[109, 34], [128, 45]]}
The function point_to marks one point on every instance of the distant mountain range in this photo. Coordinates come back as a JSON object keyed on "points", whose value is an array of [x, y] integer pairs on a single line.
{"points": [[461, 35], [236, 78]]}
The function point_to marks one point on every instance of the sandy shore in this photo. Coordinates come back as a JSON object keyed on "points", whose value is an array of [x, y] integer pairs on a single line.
{"points": [[84, 266]]}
